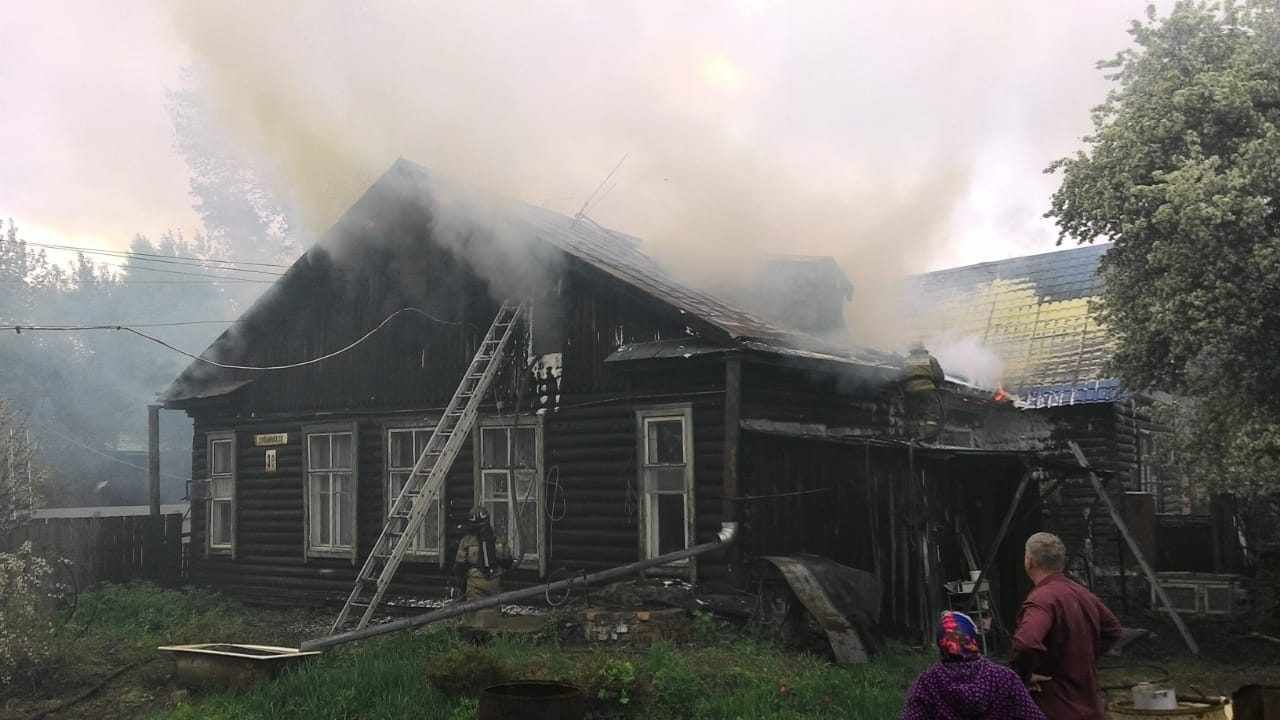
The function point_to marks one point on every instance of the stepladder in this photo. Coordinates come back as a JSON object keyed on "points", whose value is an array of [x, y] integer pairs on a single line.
{"points": [[409, 508]]}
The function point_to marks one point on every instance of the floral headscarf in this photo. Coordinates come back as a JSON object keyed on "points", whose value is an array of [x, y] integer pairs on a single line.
{"points": [[957, 637]]}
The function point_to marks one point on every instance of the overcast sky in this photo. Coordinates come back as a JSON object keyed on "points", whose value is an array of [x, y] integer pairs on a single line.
{"points": [[907, 134]]}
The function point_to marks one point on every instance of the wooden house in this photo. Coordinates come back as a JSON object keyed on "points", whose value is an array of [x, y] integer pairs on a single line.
{"points": [[637, 416], [1033, 312]]}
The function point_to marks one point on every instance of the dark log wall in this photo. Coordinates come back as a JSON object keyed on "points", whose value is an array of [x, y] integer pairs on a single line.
{"points": [[862, 506], [591, 479], [792, 394]]}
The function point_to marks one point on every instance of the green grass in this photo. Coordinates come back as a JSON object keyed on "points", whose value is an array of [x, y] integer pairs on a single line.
{"points": [[131, 620], [431, 674]]}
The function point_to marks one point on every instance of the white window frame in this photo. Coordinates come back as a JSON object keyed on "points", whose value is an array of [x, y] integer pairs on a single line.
{"points": [[416, 551], [311, 475], [226, 497], [535, 557], [647, 480]]}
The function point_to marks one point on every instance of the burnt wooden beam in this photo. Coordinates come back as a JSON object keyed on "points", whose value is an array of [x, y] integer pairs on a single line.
{"points": [[1137, 551]]}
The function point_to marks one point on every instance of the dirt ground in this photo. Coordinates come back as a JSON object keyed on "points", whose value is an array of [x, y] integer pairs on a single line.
{"points": [[1229, 659]]}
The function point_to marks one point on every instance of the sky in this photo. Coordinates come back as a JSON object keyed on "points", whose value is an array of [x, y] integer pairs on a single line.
{"points": [[902, 137]]}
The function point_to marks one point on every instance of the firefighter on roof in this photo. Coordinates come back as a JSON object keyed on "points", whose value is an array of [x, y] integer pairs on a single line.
{"points": [[923, 376]]}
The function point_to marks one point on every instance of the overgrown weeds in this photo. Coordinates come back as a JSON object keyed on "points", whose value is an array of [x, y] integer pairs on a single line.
{"points": [[384, 678]]}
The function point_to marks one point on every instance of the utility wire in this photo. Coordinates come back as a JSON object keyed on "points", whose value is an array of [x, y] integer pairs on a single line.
{"points": [[202, 275], [129, 281], [106, 455], [131, 253], [55, 326], [125, 328]]}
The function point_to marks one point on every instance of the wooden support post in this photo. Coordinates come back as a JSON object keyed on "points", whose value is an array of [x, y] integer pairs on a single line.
{"points": [[153, 458], [1133, 547], [732, 435], [152, 532], [990, 559]]}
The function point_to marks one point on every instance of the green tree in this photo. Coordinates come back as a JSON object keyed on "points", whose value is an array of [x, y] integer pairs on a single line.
{"points": [[1182, 174]]}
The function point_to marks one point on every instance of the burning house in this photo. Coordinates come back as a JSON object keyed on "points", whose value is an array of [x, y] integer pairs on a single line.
{"points": [[631, 416]]}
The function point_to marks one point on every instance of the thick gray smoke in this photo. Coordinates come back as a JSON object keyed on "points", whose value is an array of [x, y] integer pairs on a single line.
{"points": [[849, 129]]}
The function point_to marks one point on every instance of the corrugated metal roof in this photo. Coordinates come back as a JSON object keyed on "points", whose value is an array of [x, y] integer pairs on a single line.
{"points": [[1033, 312]]}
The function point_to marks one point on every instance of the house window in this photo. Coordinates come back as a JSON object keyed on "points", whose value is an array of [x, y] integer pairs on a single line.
{"points": [[666, 479], [331, 492], [404, 447], [508, 484], [222, 491]]}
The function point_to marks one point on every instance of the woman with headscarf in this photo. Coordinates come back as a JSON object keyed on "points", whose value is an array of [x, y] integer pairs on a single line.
{"points": [[963, 685]]}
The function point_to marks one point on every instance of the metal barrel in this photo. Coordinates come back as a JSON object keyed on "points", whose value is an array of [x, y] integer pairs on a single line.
{"points": [[532, 700]]}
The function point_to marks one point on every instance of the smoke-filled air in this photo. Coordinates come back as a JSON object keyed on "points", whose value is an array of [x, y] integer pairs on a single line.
{"points": [[856, 130]]}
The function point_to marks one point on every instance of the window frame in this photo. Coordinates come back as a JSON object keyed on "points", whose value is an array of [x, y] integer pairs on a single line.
{"points": [[539, 561], [353, 515], [649, 540], [228, 548], [428, 425]]}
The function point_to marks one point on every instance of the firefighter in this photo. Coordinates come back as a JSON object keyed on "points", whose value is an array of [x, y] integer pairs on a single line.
{"points": [[920, 385], [482, 559]]}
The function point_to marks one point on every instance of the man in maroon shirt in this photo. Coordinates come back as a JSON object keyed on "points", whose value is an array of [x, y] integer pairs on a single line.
{"points": [[1062, 630]]}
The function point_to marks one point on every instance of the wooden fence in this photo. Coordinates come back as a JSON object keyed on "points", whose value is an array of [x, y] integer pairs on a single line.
{"points": [[109, 549]]}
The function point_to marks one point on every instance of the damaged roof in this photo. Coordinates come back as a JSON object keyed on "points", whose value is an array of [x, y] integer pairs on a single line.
{"points": [[613, 253], [1033, 312]]}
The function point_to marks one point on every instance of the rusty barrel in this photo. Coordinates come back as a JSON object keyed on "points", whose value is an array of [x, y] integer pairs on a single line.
{"points": [[1189, 708], [531, 700]]}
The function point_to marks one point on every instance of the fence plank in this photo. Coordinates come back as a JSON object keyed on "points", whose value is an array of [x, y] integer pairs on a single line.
{"points": [[109, 549]]}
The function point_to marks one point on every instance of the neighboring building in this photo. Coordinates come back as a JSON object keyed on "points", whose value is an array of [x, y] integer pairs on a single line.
{"points": [[1033, 313], [636, 415]]}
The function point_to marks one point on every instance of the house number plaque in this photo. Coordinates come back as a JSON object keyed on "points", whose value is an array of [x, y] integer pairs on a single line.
{"points": [[270, 461], [271, 439]]}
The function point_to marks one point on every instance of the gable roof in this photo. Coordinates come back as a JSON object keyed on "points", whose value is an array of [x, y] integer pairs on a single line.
{"points": [[1033, 312], [613, 253]]}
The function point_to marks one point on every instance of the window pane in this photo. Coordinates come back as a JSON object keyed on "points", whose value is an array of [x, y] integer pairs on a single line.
{"points": [[665, 442], [670, 522], [400, 450], [420, 438], [526, 449], [665, 479], [342, 451], [493, 485], [498, 512], [319, 510], [430, 532], [221, 488], [221, 461], [493, 448], [318, 452], [344, 508], [527, 514], [220, 524]]}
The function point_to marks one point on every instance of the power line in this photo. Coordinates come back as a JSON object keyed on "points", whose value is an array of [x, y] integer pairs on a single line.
{"points": [[204, 275], [131, 253], [106, 455], [125, 328], [55, 326], [129, 281]]}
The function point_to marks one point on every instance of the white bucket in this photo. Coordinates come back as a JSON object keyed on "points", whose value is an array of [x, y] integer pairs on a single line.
{"points": [[1149, 696]]}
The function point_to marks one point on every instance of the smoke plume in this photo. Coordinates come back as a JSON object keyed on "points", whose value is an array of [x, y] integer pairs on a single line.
{"points": [[847, 129]]}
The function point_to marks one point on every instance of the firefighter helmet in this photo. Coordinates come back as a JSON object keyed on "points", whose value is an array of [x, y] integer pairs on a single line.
{"points": [[478, 516]]}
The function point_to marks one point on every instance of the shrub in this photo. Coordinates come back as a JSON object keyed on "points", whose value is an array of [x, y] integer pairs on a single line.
{"points": [[26, 633], [614, 687]]}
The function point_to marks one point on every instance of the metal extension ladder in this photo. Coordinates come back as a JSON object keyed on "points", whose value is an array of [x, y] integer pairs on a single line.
{"points": [[424, 483]]}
